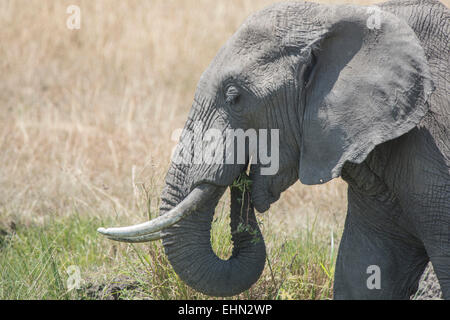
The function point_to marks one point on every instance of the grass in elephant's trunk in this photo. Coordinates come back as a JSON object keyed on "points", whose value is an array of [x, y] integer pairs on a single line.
{"points": [[243, 185]]}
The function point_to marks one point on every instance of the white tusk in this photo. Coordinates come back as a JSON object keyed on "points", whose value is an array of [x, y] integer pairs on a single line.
{"points": [[149, 231], [139, 239]]}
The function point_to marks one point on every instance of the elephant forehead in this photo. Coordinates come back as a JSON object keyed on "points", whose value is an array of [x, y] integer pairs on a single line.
{"points": [[251, 58], [254, 35], [255, 54], [263, 74], [248, 46], [264, 32]]}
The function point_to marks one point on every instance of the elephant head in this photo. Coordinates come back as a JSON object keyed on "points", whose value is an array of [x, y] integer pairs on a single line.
{"points": [[331, 85]]}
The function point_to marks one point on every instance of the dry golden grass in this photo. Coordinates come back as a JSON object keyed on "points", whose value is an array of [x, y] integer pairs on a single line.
{"points": [[81, 109], [87, 115]]}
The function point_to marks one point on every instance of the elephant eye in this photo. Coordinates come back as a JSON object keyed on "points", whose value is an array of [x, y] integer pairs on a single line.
{"points": [[232, 95]]}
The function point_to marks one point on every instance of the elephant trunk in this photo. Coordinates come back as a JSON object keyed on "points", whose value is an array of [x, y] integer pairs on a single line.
{"points": [[188, 245], [192, 192]]}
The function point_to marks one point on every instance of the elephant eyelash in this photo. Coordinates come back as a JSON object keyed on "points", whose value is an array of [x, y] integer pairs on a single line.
{"points": [[231, 95]]}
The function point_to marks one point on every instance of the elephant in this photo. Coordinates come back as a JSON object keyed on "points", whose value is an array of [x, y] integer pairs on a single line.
{"points": [[354, 92]]}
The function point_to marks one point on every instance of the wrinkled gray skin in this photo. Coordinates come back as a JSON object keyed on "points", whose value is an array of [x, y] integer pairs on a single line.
{"points": [[368, 105]]}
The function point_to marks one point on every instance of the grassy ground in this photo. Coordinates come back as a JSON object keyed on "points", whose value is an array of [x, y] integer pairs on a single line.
{"points": [[86, 132], [36, 262]]}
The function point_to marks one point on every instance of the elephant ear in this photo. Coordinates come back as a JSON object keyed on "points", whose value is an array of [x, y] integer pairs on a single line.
{"points": [[370, 84]]}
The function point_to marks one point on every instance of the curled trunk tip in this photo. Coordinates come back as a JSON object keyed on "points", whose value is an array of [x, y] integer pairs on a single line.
{"points": [[188, 246]]}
